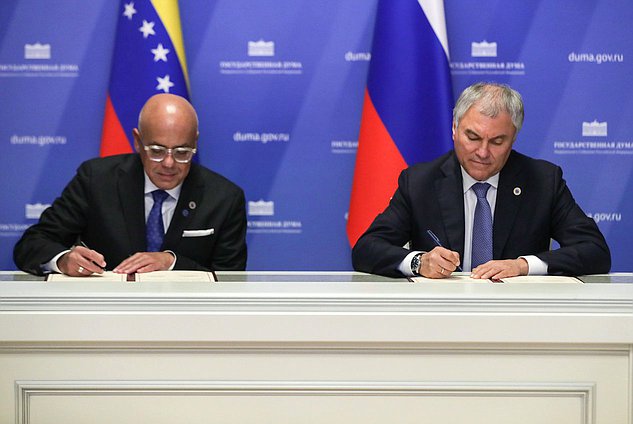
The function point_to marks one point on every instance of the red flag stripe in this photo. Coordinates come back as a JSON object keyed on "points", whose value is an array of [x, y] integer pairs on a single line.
{"points": [[378, 165], [113, 132]]}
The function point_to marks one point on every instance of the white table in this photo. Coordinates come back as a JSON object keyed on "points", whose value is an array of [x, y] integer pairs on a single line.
{"points": [[298, 347]]}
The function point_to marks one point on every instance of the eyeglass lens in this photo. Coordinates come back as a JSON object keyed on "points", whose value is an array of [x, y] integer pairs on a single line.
{"points": [[180, 154]]}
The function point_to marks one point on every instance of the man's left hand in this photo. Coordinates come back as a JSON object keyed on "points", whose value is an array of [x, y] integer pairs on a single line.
{"points": [[501, 269], [145, 262]]}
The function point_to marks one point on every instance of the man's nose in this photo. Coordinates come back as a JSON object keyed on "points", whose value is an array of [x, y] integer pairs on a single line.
{"points": [[483, 150], [169, 160]]}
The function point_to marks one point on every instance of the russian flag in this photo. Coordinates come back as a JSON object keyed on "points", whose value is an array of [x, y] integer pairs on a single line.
{"points": [[148, 58], [407, 112]]}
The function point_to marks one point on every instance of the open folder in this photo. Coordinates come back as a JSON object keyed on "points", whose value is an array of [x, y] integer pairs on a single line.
{"points": [[465, 278], [167, 276]]}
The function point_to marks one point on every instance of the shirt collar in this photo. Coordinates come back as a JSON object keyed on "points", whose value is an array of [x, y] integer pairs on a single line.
{"points": [[150, 187], [469, 181]]}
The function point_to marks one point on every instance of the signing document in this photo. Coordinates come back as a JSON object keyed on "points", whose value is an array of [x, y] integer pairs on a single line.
{"points": [[464, 277], [178, 276]]}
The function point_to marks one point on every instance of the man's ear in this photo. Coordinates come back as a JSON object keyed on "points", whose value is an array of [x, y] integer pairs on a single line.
{"points": [[137, 140]]}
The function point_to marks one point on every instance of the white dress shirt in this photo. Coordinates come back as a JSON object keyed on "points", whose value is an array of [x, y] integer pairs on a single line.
{"points": [[169, 204], [470, 203]]}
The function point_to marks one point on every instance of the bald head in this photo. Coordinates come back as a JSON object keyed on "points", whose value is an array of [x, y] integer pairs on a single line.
{"points": [[168, 109]]}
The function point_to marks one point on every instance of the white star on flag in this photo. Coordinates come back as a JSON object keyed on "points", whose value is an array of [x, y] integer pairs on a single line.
{"points": [[160, 53], [147, 29], [129, 10], [164, 83]]}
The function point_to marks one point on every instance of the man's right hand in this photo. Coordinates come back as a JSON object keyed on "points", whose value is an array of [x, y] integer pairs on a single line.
{"points": [[438, 263], [79, 262]]}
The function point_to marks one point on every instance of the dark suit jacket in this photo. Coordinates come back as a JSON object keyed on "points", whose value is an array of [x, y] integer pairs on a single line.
{"points": [[430, 196], [104, 206]]}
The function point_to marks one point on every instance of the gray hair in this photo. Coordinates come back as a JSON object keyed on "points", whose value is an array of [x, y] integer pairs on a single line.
{"points": [[491, 99]]}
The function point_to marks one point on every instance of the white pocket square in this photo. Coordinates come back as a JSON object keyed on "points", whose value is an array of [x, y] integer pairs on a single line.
{"points": [[197, 233]]}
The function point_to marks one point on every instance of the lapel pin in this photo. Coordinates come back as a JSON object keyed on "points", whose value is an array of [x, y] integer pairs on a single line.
{"points": [[192, 205], [185, 213], [517, 191]]}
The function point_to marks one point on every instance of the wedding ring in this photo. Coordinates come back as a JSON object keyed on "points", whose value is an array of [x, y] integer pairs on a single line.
{"points": [[80, 270], [441, 270]]}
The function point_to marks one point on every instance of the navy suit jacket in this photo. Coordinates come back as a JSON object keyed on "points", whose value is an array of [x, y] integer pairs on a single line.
{"points": [[534, 205], [104, 207]]}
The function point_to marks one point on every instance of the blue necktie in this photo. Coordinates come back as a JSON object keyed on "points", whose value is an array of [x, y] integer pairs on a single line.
{"points": [[155, 230], [482, 227]]}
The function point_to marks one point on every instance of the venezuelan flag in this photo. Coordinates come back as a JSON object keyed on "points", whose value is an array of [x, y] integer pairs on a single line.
{"points": [[148, 58], [407, 111]]}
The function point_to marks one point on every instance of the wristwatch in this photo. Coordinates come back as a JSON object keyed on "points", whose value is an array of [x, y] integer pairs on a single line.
{"points": [[415, 264]]}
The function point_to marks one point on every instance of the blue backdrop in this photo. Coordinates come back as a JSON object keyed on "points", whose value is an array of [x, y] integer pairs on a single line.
{"points": [[282, 121]]}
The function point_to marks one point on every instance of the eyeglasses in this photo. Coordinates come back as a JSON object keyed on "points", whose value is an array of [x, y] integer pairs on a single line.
{"points": [[158, 153]]}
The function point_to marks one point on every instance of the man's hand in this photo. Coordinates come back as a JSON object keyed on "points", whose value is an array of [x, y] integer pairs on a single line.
{"points": [[438, 263], [501, 269], [145, 262], [80, 262]]}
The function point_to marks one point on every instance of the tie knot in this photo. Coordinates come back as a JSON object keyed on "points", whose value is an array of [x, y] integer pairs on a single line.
{"points": [[159, 196], [481, 189]]}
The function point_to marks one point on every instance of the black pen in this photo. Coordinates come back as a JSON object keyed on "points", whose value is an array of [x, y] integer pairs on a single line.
{"points": [[437, 242], [84, 245]]}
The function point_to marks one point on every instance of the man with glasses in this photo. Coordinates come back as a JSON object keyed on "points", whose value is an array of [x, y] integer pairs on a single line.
{"points": [[148, 211]]}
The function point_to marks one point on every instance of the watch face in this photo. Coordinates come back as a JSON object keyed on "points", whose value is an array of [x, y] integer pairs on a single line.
{"points": [[415, 264]]}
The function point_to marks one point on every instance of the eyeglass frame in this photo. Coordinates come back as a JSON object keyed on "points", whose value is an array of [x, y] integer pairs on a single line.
{"points": [[169, 151]]}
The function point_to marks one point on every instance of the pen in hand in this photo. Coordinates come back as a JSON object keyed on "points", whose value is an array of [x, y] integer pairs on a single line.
{"points": [[438, 243], [86, 246]]}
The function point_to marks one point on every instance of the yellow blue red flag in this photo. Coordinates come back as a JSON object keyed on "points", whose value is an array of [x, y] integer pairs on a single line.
{"points": [[148, 58]]}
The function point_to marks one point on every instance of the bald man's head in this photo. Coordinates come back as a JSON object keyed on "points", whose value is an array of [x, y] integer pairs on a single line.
{"points": [[171, 107], [168, 121]]}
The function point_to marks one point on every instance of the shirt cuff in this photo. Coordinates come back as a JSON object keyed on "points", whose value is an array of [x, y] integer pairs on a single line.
{"points": [[51, 266], [174, 262], [405, 265], [535, 265]]}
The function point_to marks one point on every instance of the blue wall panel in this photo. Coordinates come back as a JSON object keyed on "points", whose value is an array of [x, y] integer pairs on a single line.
{"points": [[285, 126]]}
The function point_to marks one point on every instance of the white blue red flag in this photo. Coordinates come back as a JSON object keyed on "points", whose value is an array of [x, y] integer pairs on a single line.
{"points": [[148, 58], [407, 112]]}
